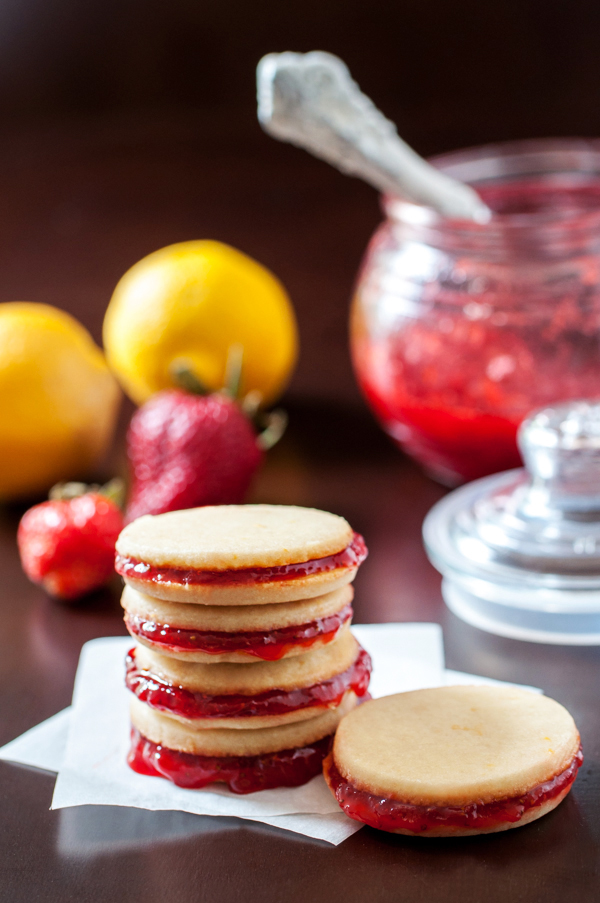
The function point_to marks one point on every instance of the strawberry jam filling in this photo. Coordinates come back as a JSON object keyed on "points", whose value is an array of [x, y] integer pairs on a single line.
{"points": [[159, 694], [350, 557], [242, 774], [268, 645], [389, 814]]}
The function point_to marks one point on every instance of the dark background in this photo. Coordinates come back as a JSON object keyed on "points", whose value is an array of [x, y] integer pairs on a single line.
{"points": [[130, 124]]}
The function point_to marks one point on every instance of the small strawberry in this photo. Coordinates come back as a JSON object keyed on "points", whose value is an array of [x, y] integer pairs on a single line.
{"points": [[67, 544], [187, 449]]}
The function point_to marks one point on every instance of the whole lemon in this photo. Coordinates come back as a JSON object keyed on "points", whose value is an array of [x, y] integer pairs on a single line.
{"points": [[58, 399], [190, 303]]}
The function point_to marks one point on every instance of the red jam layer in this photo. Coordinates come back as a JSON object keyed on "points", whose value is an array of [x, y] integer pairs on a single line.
{"points": [[350, 557], [267, 645], [161, 695], [391, 814], [242, 774]]}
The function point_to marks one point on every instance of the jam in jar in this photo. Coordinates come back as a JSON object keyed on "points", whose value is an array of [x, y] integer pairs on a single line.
{"points": [[459, 330]]}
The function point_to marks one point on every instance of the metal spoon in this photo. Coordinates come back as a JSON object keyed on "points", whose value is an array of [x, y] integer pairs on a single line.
{"points": [[311, 100]]}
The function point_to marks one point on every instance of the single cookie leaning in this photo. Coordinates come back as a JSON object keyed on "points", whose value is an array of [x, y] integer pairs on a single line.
{"points": [[250, 696], [283, 756], [236, 633], [454, 760], [239, 554]]}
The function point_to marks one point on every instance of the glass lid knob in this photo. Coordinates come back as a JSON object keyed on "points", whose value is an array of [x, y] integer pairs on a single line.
{"points": [[561, 450]]}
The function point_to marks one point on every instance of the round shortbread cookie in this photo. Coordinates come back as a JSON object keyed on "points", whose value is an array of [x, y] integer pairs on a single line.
{"points": [[454, 746], [232, 537], [273, 592], [234, 618], [219, 539], [237, 688], [229, 678], [257, 619], [160, 728]]}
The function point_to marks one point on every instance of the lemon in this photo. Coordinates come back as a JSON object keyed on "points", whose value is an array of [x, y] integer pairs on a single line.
{"points": [[191, 303], [58, 399]]}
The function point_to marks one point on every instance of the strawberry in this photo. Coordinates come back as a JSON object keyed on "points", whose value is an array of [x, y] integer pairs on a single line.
{"points": [[67, 544], [189, 450]]}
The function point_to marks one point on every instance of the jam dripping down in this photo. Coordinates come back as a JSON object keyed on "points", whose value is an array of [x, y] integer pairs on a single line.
{"points": [[161, 695], [270, 645], [242, 774], [350, 557], [390, 814]]}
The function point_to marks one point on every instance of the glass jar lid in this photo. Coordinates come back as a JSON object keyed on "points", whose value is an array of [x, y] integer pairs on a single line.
{"points": [[520, 550]]}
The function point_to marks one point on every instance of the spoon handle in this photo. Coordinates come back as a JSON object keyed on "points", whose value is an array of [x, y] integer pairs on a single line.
{"points": [[312, 101]]}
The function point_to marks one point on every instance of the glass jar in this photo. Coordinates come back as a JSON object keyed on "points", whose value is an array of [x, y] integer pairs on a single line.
{"points": [[459, 330]]}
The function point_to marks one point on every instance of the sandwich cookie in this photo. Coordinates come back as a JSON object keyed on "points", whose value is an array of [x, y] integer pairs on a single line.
{"points": [[253, 696], [239, 554], [243, 633], [454, 761], [287, 755]]}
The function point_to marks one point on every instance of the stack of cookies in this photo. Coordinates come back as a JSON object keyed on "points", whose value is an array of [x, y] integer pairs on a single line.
{"points": [[244, 662]]}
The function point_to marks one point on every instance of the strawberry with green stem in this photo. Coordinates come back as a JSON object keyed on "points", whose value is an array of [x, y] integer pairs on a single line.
{"points": [[67, 544], [187, 448]]}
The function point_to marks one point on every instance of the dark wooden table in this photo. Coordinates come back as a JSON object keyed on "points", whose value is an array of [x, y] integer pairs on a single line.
{"points": [[102, 854], [81, 205]]}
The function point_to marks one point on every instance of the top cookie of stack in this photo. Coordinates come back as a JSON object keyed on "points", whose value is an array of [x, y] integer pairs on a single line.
{"points": [[244, 613], [238, 583]]}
